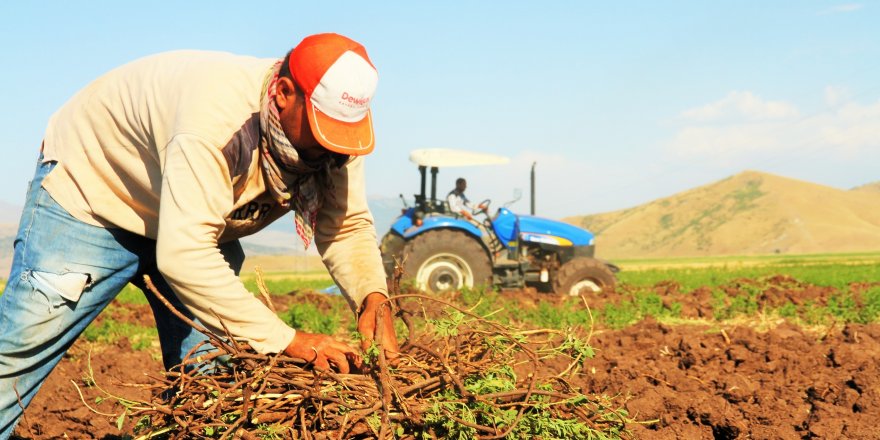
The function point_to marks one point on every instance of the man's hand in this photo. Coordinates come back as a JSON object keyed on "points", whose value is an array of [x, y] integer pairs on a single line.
{"points": [[324, 352], [385, 333]]}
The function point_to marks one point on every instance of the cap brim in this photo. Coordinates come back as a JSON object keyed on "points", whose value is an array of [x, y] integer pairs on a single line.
{"points": [[351, 138]]}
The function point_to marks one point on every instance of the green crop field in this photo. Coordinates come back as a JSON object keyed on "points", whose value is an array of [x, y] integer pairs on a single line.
{"points": [[709, 296], [821, 269], [835, 270], [636, 300], [731, 298]]}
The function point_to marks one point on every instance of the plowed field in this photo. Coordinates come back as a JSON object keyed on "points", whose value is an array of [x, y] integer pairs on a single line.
{"points": [[696, 378]]}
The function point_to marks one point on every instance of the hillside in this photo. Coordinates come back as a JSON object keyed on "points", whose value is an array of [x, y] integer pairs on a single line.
{"points": [[873, 187], [7, 238], [277, 239], [746, 214]]}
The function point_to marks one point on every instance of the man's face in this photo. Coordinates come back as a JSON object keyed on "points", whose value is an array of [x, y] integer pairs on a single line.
{"points": [[294, 120], [461, 185]]}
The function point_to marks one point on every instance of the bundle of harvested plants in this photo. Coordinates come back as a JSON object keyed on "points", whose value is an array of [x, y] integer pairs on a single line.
{"points": [[459, 375]]}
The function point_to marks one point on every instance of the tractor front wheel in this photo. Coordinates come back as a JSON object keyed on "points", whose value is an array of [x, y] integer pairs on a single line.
{"points": [[583, 276], [446, 260]]}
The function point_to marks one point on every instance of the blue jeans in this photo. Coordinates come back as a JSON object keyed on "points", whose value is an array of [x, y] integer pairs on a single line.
{"points": [[64, 272]]}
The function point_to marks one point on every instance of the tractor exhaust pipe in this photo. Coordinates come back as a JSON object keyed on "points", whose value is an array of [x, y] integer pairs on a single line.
{"points": [[422, 189], [533, 187], [433, 186]]}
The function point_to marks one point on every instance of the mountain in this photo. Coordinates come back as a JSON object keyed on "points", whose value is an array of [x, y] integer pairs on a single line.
{"points": [[9, 217], [7, 237], [277, 242], [279, 238], [868, 187], [745, 214], [749, 213], [385, 210], [9, 213]]}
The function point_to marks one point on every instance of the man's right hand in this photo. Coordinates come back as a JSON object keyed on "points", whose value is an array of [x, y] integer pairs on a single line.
{"points": [[324, 352]]}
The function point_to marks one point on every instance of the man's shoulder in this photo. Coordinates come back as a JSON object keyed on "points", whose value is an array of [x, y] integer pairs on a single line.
{"points": [[204, 59], [214, 95]]}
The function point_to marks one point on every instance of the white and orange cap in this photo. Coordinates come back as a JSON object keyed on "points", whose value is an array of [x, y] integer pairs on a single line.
{"points": [[338, 80]]}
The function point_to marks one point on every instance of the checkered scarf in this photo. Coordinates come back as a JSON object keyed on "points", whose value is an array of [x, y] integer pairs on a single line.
{"points": [[295, 182]]}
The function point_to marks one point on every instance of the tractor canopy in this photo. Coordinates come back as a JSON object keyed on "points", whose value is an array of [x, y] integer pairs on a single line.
{"points": [[446, 157], [434, 158]]}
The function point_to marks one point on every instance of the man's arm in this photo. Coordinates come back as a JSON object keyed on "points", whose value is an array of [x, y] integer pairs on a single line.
{"points": [[346, 238], [457, 204], [465, 203], [196, 195]]}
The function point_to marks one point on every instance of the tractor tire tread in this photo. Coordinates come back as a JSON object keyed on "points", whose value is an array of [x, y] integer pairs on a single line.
{"points": [[583, 268], [422, 247]]}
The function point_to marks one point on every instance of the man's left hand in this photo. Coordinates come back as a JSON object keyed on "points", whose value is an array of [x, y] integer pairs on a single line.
{"points": [[385, 331]]}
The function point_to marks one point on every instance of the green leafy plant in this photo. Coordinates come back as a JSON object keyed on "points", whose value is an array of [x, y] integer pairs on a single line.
{"points": [[109, 331], [308, 317], [871, 308]]}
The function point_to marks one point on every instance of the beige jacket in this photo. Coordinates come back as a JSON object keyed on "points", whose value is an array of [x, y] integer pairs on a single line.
{"points": [[167, 147]]}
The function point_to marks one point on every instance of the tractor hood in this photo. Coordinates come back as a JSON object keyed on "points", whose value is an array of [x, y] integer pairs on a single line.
{"points": [[544, 230]]}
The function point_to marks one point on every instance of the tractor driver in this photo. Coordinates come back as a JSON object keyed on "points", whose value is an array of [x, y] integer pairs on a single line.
{"points": [[459, 203]]}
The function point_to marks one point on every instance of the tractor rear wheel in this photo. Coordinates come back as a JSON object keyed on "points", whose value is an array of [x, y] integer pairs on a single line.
{"points": [[583, 276], [446, 260]]}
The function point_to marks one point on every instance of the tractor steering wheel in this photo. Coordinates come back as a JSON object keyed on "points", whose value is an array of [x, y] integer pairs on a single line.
{"points": [[485, 207]]}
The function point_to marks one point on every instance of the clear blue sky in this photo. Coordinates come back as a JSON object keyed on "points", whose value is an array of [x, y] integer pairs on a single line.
{"points": [[619, 103]]}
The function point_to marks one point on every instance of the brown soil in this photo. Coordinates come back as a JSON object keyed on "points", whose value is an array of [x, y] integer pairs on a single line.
{"points": [[786, 383], [683, 381], [58, 411]]}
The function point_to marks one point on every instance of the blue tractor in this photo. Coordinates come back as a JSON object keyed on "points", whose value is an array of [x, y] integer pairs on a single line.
{"points": [[439, 250]]}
